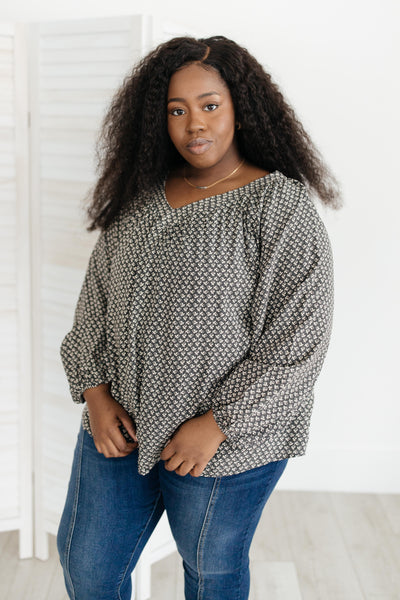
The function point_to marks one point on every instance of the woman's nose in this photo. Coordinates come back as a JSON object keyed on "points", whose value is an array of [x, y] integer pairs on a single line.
{"points": [[195, 123]]}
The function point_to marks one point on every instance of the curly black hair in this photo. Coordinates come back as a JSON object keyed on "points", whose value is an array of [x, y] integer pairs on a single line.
{"points": [[134, 150]]}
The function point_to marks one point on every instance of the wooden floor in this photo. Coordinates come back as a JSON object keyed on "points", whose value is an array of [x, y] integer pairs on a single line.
{"points": [[309, 545]]}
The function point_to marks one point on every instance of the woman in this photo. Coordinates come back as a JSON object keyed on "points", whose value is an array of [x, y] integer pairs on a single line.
{"points": [[202, 324]]}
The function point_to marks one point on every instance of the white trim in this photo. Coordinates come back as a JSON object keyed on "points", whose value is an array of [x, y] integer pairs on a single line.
{"points": [[367, 470], [41, 538], [142, 575], [147, 35], [23, 290], [50, 527], [10, 525]]}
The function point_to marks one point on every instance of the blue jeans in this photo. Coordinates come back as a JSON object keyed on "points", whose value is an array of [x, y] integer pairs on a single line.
{"points": [[111, 511]]}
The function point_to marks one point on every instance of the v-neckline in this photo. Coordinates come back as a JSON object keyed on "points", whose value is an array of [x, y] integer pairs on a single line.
{"points": [[236, 192]]}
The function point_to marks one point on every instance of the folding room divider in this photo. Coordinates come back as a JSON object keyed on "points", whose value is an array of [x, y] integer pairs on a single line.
{"points": [[56, 80]]}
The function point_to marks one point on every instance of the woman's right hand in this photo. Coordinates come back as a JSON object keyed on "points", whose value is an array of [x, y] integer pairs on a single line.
{"points": [[106, 416]]}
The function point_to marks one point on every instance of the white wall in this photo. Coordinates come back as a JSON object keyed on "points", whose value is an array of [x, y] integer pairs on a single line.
{"points": [[338, 66]]}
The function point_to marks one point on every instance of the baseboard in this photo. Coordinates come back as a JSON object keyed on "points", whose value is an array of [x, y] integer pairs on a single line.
{"points": [[365, 470]]}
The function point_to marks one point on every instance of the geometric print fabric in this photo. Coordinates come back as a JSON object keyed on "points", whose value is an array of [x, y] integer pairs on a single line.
{"points": [[225, 303]]}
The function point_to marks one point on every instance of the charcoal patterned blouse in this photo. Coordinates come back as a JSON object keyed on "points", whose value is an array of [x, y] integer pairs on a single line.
{"points": [[225, 303]]}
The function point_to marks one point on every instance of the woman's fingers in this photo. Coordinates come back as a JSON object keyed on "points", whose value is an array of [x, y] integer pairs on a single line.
{"points": [[168, 451], [185, 468], [113, 444], [128, 424], [174, 462], [107, 447], [111, 451], [107, 418], [177, 463], [122, 446], [197, 469]]}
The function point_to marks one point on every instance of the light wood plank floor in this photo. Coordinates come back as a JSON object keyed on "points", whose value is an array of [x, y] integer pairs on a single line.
{"points": [[308, 546]]}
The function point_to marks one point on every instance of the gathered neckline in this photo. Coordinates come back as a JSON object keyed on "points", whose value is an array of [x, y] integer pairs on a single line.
{"points": [[250, 186]]}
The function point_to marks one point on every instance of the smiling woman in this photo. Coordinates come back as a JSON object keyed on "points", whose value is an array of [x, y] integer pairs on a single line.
{"points": [[203, 320]]}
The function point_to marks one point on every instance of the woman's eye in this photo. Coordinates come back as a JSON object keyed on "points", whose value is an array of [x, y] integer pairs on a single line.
{"points": [[211, 107], [176, 112]]}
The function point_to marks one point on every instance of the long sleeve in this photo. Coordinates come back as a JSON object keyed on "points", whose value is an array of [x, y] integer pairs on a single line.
{"points": [[291, 324], [84, 349]]}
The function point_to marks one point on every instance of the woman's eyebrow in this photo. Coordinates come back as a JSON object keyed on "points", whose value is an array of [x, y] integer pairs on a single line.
{"points": [[198, 97]]}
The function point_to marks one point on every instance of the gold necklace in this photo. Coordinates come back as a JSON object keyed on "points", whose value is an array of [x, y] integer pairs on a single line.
{"points": [[205, 187]]}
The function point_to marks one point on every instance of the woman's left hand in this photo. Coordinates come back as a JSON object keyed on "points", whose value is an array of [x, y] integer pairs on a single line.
{"points": [[193, 445]]}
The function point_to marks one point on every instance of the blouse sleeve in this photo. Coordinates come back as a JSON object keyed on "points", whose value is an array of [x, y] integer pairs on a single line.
{"points": [[83, 350], [292, 319]]}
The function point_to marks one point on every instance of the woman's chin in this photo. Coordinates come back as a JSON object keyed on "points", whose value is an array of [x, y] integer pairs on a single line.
{"points": [[201, 161]]}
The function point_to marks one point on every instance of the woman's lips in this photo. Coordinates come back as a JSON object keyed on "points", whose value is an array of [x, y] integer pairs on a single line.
{"points": [[199, 146]]}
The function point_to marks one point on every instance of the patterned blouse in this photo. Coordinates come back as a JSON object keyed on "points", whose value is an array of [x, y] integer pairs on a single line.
{"points": [[224, 304]]}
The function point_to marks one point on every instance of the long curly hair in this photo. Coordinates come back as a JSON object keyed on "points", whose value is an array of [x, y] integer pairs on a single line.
{"points": [[134, 151]]}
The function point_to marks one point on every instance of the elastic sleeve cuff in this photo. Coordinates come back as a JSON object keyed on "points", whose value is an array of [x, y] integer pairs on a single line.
{"points": [[223, 423], [77, 392]]}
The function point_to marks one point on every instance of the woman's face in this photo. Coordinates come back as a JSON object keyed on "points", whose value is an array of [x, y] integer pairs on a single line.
{"points": [[201, 118]]}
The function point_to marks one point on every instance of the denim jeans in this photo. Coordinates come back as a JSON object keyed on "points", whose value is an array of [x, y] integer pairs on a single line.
{"points": [[111, 511]]}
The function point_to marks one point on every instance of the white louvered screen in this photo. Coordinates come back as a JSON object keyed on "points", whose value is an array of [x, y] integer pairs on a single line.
{"points": [[15, 377], [76, 67], [9, 434], [59, 77]]}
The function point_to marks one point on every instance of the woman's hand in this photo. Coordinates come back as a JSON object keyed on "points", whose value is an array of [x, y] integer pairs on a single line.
{"points": [[106, 416], [193, 445]]}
